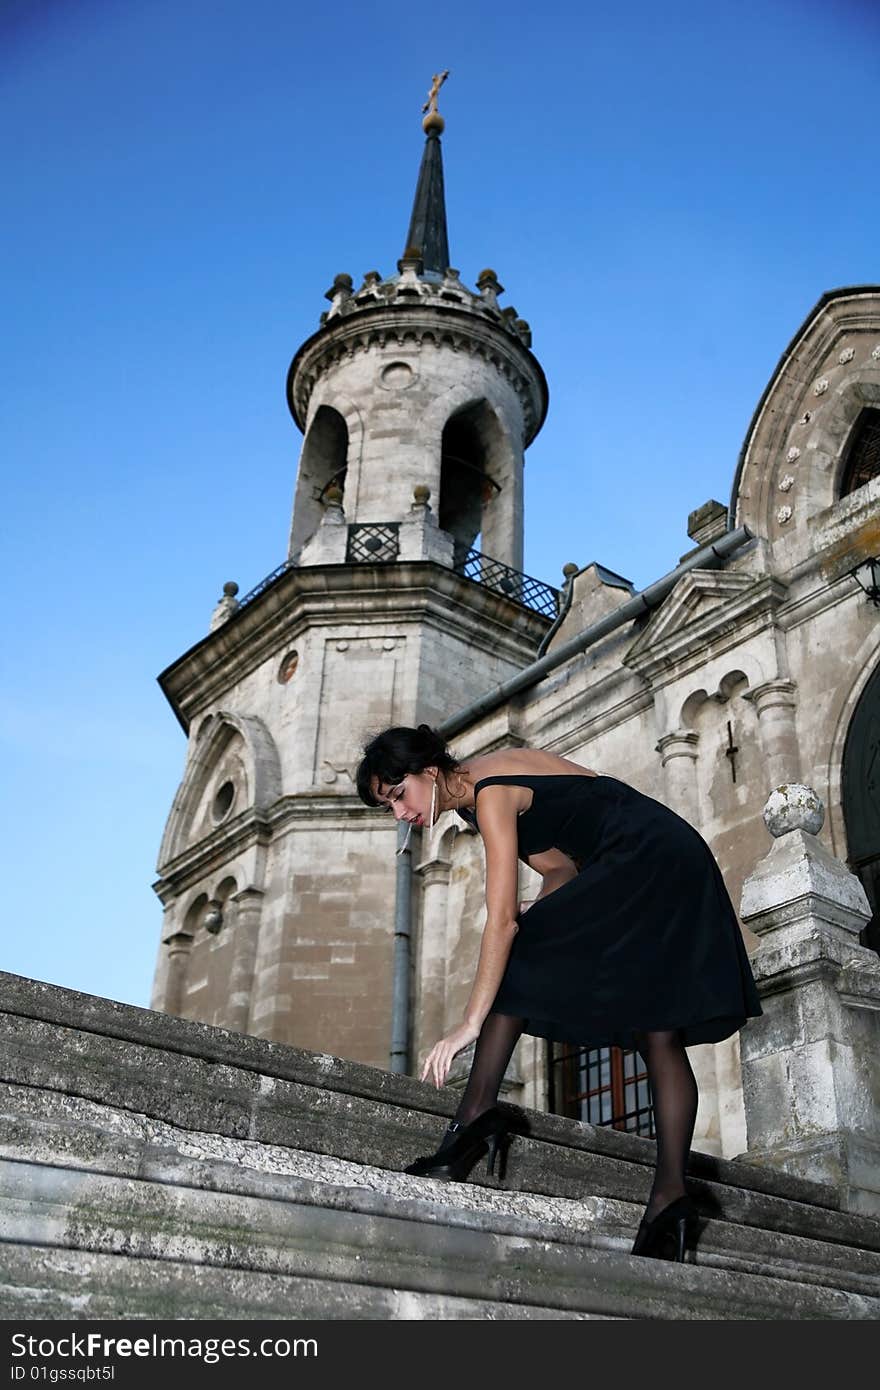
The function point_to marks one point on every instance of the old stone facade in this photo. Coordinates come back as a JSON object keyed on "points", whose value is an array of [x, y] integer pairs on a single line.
{"points": [[417, 398]]}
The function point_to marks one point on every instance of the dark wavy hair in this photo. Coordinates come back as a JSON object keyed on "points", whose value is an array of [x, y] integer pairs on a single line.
{"points": [[395, 752]]}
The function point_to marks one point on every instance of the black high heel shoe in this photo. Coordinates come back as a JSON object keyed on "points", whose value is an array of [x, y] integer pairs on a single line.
{"points": [[678, 1220], [462, 1145]]}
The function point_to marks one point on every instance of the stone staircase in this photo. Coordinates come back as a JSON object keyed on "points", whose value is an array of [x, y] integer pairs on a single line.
{"points": [[156, 1168]]}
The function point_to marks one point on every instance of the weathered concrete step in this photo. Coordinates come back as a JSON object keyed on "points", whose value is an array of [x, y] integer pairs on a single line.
{"points": [[90, 1138], [399, 1244], [40, 1284], [240, 1102], [387, 1129], [212, 1080]]}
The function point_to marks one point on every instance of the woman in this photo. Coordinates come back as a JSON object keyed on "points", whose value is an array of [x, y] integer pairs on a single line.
{"points": [[632, 940]]}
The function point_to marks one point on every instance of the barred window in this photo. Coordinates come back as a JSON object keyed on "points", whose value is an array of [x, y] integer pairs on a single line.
{"points": [[601, 1086], [863, 452]]}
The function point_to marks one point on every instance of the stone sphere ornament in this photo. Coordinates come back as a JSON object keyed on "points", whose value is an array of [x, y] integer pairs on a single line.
{"points": [[213, 918], [794, 807]]}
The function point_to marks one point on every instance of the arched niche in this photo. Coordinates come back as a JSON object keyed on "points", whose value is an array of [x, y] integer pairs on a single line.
{"points": [[692, 708], [322, 464], [194, 915], [474, 464], [228, 750]]}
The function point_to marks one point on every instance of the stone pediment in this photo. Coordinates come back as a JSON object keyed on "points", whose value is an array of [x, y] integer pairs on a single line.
{"points": [[703, 605]]}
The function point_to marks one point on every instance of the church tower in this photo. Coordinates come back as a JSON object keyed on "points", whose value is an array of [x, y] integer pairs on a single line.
{"points": [[401, 600]]}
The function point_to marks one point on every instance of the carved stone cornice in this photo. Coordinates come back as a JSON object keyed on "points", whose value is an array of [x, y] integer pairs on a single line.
{"points": [[462, 329], [707, 612], [213, 852], [776, 694], [682, 743], [339, 595], [434, 872]]}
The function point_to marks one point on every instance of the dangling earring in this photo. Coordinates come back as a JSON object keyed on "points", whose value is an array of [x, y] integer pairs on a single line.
{"points": [[430, 821]]}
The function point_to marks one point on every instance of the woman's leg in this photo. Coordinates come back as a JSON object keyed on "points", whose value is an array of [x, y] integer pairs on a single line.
{"points": [[674, 1089], [497, 1039]]}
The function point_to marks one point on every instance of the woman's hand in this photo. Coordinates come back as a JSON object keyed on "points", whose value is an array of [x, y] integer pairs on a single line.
{"points": [[439, 1059]]}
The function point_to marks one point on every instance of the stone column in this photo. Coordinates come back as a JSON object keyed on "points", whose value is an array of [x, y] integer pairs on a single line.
{"points": [[329, 543], [246, 928], [775, 705], [420, 537], [430, 1005], [178, 945], [678, 754], [809, 1063]]}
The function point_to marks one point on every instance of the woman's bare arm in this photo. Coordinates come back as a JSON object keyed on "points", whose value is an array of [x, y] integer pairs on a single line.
{"points": [[555, 869], [498, 828]]}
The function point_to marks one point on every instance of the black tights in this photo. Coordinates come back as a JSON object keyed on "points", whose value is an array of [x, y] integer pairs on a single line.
{"points": [[673, 1087], [675, 1096]]}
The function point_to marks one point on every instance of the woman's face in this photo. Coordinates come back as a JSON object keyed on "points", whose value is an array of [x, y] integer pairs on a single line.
{"points": [[409, 799]]}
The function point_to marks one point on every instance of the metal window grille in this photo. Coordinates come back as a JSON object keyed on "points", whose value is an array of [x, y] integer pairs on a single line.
{"points": [[531, 593], [863, 461], [374, 543], [601, 1086]]}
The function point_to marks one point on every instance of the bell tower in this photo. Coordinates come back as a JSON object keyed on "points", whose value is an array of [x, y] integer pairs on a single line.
{"points": [[401, 600], [413, 382]]}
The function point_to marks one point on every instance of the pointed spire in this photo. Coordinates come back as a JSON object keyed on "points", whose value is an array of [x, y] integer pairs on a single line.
{"points": [[427, 225]]}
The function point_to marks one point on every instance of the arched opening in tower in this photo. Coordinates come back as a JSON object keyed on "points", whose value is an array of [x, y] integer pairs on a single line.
{"points": [[322, 466], [862, 453], [860, 796], [468, 483]]}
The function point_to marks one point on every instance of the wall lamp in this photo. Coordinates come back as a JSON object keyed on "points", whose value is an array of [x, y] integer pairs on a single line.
{"points": [[867, 576]]}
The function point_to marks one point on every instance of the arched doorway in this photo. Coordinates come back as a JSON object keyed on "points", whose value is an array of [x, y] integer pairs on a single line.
{"points": [[860, 793]]}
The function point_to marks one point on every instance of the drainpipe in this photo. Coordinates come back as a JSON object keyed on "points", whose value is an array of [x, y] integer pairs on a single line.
{"points": [[710, 556], [399, 1060]]}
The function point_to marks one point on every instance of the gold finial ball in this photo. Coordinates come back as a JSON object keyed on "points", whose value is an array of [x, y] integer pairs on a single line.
{"points": [[433, 121], [421, 493]]}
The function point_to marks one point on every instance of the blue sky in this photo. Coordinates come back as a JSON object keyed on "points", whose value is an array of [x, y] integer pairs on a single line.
{"points": [[665, 191]]}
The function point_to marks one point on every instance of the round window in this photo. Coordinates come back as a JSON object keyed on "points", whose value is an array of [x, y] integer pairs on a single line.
{"points": [[287, 667], [223, 801]]}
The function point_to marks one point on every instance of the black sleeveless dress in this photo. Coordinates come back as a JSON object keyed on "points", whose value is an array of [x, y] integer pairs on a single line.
{"points": [[644, 937]]}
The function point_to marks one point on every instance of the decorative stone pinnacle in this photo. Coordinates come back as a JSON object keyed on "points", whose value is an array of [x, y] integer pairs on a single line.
{"points": [[487, 284], [341, 288], [433, 121], [793, 807], [411, 263], [333, 496], [570, 570], [421, 494], [227, 606]]}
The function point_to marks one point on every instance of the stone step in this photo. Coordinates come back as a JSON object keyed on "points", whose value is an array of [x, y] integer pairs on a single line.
{"points": [[140, 1151], [355, 1249], [39, 1132]]}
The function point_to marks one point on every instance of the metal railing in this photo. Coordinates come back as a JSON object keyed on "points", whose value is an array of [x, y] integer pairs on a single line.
{"points": [[531, 593], [378, 543], [264, 583]]}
